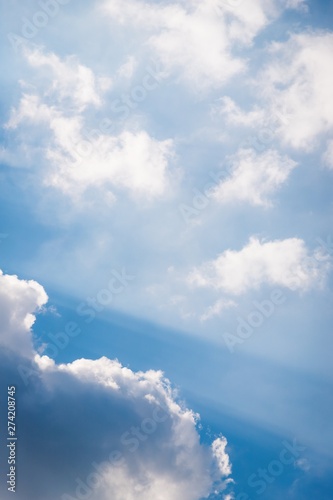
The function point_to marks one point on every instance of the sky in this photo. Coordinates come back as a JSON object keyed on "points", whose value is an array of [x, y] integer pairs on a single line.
{"points": [[166, 248]]}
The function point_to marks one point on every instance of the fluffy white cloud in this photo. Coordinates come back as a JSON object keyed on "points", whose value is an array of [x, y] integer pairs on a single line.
{"points": [[219, 449], [164, 459], [294, 89], [67, 80], [286, 263], [109, 432], [297, 86], [191, 42], [19, 299], [195, 40], [254, 177], [80, 158], [134, 161]]}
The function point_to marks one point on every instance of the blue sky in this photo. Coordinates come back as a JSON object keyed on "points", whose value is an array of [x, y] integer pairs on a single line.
{"points": [[166, 202]]}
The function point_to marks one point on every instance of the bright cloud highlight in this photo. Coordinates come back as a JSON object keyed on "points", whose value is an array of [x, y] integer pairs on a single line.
{"points": [[286, 263]]}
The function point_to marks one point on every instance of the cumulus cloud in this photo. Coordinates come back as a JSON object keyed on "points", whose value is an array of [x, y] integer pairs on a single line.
{"points": [[79, 158], [297, 85], [101, 430], [132, 160], [287, 263], [194, 41], [219, 450], [294, 89], [159, 452], [254, 177], [19, 300], [67, 80], [189, 41]]}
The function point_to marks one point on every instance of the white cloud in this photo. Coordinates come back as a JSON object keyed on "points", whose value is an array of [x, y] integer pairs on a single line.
{"points": [[217, 308], [31, 109], [196, 45], [71, 82], [254, 177], [131, 160], [297, 85], [219, 450], [19, 300], [235, 115], [286, 263], [246, 20], [295, 93], [169, 465], [328, 155], [195, 41], [297, 4], [109, 432], [79, 158], [127, 69]]}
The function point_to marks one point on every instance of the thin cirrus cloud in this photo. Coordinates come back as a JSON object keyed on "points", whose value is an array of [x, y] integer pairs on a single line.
{"points": [[139, 441], [254, 177], [287, 263], [130, 160]]}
